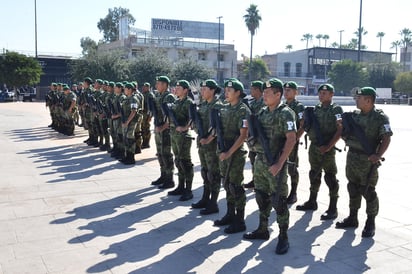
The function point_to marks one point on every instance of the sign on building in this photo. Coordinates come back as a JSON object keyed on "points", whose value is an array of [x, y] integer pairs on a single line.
{"points": [[188, 29]]}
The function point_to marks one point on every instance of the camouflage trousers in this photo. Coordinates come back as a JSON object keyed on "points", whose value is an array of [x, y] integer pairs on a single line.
{"points": [[209, 162], [118, 134], [103, 129], [362, 179], [138, 131], [164, 153], [146, 134], [327, 163], [181, 145], [271, 191], [233, 167], [294, 164], [128, 137]]}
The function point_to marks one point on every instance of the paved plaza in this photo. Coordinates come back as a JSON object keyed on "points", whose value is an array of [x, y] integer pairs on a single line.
{"points": [[70, 208]]}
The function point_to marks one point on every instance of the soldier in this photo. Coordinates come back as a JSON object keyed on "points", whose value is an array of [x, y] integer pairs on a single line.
{"points": [[88, 111], [130, 107], [181, 140], [138, 130], [207, 147], [162, 134], [147, 115], [50, 102], [290, 92], [102, 115], [232, 155], [118, 146], [80, 103], [255, 106], [367, 133], [109, 108], [276, 139], [69, 104], [321, 124]]}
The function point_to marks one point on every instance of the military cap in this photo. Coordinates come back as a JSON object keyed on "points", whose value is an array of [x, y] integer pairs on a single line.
{"points": [[99, 81], [369, 91], [230, 79], [88, 80], [164, 79], [119, 85], [210, 83], [183, 84], [129, 85], [273, 83], [66, 87], [74, 85], [291, 84], [147, 84], [80, 83], [135, 84], [235, 84], [105, 82], [54, 84], [111, 84], [257, 84], [59, 84], [327, 87]]}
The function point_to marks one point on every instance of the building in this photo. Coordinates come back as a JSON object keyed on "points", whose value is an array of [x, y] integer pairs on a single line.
{"points": [[309, 67], [180, 39]]}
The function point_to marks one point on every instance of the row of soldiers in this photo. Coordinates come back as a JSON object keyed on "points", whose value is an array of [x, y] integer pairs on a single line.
{"points": [[224, 122]]}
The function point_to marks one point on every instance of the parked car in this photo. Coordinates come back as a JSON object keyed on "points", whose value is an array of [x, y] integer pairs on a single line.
{"points": [[7, 96], [28, 93]]}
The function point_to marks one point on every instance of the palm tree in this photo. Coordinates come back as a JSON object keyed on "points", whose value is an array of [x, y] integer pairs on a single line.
{"points": [[307, 37], [289, 47], [319, 37], [396, 44], [406, 35], [335, 45], [362, 32], [252, 19], [380, 35], [326, 38]]}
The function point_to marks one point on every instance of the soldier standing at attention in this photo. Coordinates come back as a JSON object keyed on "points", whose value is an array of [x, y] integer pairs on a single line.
{"points": [[324, 130], [367, 133], [207, 146], [69, 104], [278, 130], [255, 106], [232, 156], [147, 115], [118, 146], [88, 111], [290, 92], [162, 134], [182, 140], [109, 107], [138, 130], [50, 102], [130, 107]]}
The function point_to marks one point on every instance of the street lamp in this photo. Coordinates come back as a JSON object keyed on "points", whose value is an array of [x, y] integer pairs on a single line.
{"points": [[218, 54], [360, 32], [340, 37]]}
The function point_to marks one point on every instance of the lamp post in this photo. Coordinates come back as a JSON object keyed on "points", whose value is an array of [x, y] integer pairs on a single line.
{"points": [[340, 37], [360, 32], [35, 28], [218, 54]]}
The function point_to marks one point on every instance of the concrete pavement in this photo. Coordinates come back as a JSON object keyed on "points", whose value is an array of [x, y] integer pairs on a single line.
{"points": [[69, 208]]}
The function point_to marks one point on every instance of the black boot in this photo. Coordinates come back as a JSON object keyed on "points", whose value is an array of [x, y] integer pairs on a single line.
{"points": [[179, 189], [202, 203], [283, 243], [251, 184], [229, 216], [168, 182], [261, 233], [238, 224], [350, 221], [212, 206], [369, 229], [332, 211], [159, 180], [129, 160], [311, 204], [187, 193], [292, 198]]}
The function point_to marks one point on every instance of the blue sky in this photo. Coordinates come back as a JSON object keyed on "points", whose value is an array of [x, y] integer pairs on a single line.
{"points": [[62, 23]]}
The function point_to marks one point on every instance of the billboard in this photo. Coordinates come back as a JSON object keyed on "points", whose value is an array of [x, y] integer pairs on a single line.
{"points": [[188, 29]]}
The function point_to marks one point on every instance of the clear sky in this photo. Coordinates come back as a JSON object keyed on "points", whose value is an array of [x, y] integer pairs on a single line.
{"points": [[61, 23]]}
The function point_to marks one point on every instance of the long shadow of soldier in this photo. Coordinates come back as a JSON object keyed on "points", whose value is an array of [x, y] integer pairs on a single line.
{"points": [[32, 134]]}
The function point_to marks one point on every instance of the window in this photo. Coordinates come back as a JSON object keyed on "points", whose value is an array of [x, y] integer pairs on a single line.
{"points": [[298, 69], [286, 68], [201, 56]]}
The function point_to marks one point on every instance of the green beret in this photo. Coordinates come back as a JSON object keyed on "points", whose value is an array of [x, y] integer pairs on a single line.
{"points": [[369, 91], [327, 87], [111, 84], [119, 85], [273, 83], [88, 80], [135, 84], [54, 84], [59, 84], [257, 84], [291, 85], [105, 82], [183, 84], [80, 83], [66, 87], [147, 84], [210, 83], [129, 85], [125, 82], [236, 85], [230, 79], [74, 85], [164, 79], [99, 81]]}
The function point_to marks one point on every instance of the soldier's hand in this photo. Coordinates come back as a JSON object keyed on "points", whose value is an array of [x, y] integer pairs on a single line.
{"points": [[274, 169], [324, 149], [224, 156], [374, 158]]}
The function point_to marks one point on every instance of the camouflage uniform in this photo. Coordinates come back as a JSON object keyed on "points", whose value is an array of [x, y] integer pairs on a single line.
{"points": [[146, 119], [138, 130], [102, 120], [270, 189], [360, 183], [298, 109], [117, 127], [68, 127], [129, 104], [181, 145]]}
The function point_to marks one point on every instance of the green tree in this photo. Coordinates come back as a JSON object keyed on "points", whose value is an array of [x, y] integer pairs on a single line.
{"points": [[190, 70], [347, 74], [88, 45], [395, 45], [319, 37], [326, 38], [260, 70], [406, 35], [307, 37], [403, 82], [380, 35], [335, 45], [252, 19], [110, 24], [110, 66], [383, 75], [148, 65], [359, 33], [289, 47], [18, 70]]}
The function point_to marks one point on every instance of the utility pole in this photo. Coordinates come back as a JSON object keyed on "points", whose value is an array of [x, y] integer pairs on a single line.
{"points": [[218, 55], [360, 33], [35, 28]]}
